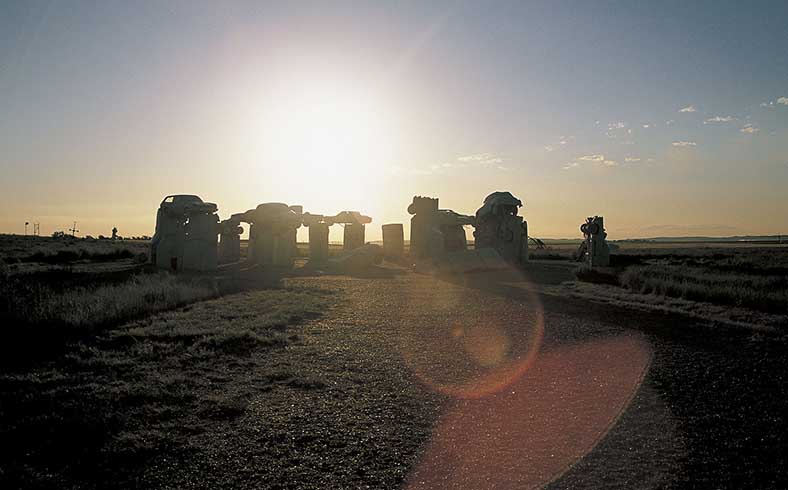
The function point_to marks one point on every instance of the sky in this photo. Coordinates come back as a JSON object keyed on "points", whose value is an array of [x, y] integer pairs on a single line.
{"points": [[667, 118]]}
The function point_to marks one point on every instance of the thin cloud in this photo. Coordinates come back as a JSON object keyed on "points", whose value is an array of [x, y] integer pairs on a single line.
{"points": [[481, 159], [772, 103], [631, 159], [749, 129], [595, 159], [562, 141], [689, 108], [718, 119], [684, 144], [615, 129], [460, 164]]}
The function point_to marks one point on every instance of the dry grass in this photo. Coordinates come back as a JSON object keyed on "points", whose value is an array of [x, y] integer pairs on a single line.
{"points": [[33, 303], [111, 405], [141, 295], [754, 278], [16, 248], [82, 254], [759, 292]]}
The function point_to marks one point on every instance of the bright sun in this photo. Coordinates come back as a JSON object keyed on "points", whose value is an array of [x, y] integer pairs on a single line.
{"points": [[326, 131], [324, 138]]}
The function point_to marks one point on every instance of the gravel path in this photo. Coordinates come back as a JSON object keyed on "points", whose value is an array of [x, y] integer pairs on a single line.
{"points": [[614, 399]]}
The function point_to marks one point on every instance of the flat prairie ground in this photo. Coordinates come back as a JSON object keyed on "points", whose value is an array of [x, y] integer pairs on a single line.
{"points": [[393, 379]]}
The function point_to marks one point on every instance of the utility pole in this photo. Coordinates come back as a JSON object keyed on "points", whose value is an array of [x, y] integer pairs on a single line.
{"points": [[26, 223], [36, 229], [74, 230]]}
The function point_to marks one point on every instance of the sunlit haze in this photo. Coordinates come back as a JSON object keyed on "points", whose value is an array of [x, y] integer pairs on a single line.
{"points": [[668, 119]]}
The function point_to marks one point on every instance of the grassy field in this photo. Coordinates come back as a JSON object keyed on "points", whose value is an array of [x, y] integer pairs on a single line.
{"points": [[107, 362], [743, 275], [111, 403], [16, 248], [84, 284], [36, 302], [764, 290]]}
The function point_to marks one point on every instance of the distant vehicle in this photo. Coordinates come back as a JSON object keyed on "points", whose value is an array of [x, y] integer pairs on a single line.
{"points": [[181, 202]]}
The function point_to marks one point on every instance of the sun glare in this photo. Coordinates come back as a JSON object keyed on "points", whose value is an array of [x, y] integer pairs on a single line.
{"points": [[326, 135]]}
